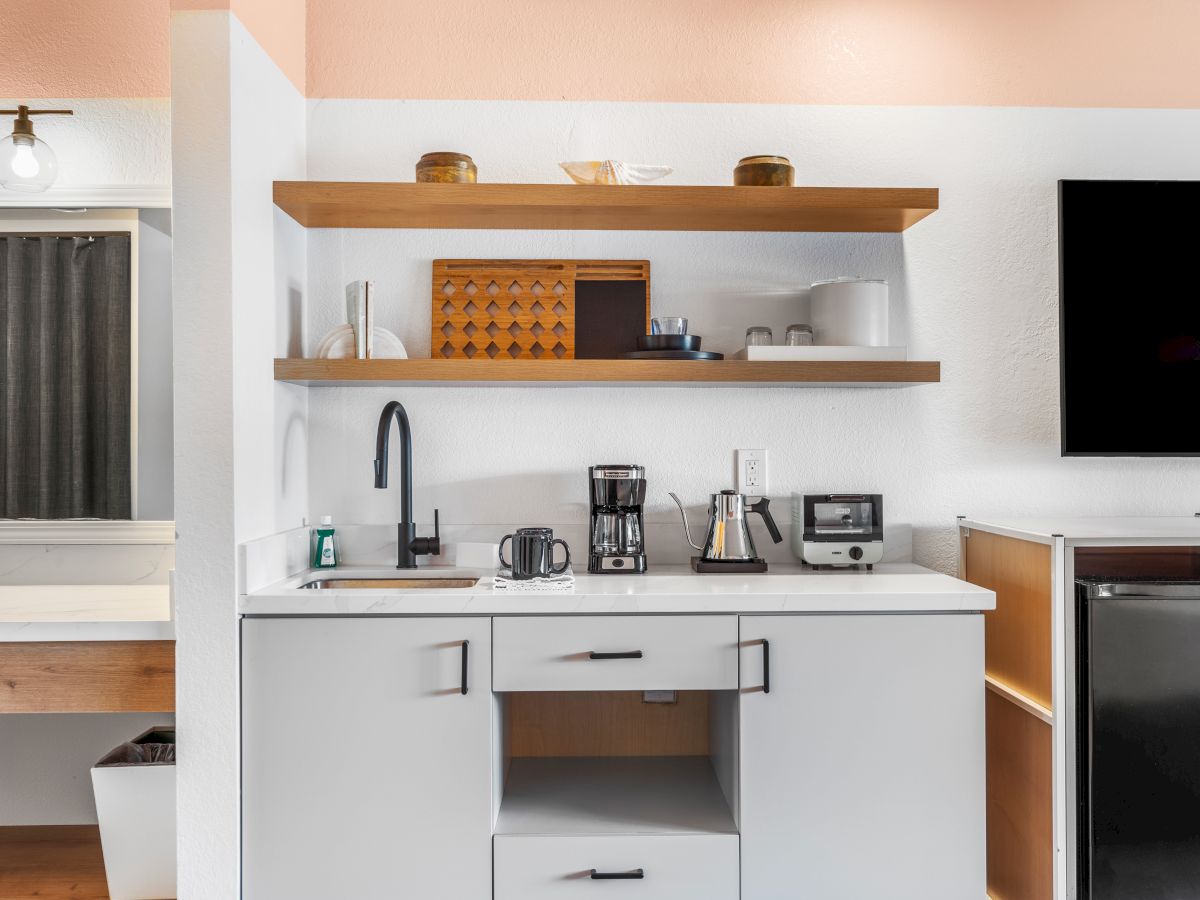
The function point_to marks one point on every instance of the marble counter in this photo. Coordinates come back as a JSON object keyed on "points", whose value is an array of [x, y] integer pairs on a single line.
{"points": [[892, 587], [85, 612]]}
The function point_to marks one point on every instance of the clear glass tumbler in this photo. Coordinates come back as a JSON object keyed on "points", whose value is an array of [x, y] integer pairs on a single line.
{"points": [[668, 325], [799, 336], [759, 336]]}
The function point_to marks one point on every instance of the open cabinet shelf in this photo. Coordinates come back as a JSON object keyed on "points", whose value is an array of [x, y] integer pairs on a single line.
{"points": [[342, 204], [315, 372], [614, 795], [52, 862]]}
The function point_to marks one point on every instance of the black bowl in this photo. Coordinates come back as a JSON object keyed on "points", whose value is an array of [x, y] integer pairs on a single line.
{"points": [[669, 342]]}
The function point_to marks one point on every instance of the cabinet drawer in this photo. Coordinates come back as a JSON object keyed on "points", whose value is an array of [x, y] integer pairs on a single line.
{"points": [[614, 653], [673, 867]]}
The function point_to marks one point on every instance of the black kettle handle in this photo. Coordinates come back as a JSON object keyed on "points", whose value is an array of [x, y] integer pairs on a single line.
{"points": [[763, 508]]}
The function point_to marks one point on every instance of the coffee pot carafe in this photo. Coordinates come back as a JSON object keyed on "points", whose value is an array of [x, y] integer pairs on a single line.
{"points": [[728, 542]]}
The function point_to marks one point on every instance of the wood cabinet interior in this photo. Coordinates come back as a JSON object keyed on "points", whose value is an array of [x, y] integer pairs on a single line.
{"points": [[1020, 839], [1018, 631], [606, 723], [608, 762], [87, 676], [1137, 562]]}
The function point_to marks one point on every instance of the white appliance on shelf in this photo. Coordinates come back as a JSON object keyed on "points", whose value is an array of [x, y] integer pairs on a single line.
{"points": [[850, 311]]}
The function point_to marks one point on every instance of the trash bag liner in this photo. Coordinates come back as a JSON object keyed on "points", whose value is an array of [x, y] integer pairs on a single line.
{"points": [[154, 748]]}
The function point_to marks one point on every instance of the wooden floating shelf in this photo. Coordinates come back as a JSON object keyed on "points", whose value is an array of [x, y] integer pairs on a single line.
{"points": [[316, 372], [87, 677], [343, 204], [52, 862]]}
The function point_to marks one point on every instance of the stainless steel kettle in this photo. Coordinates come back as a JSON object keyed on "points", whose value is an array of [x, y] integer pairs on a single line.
{"points": [[729, 538]]}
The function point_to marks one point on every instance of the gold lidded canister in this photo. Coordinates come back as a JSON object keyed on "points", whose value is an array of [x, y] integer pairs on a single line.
{"points": [[764, 171], [446, 168]]}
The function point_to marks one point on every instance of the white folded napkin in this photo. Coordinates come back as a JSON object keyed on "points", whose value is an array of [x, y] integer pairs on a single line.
{"points": [[564, 583]]}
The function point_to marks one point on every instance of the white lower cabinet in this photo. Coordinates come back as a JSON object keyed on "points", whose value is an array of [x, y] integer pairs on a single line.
{"points": [[848, 764], [366, 771], [645, 867], [862, 767]]}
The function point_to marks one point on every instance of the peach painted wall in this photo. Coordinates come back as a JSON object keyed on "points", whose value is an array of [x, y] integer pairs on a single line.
{"points": [[277, 25], [85, 48], [1123, 53], [970, 52]]}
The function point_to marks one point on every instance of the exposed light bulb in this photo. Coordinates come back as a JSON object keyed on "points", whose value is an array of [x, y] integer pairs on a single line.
{"points": [[24, 163]]}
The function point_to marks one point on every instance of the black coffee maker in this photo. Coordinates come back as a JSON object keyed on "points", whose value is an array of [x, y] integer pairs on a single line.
{"points": [[617, 542]]}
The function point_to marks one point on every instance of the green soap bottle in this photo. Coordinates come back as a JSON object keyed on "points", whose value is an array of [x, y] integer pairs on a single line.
{"points": [[325, 550]]}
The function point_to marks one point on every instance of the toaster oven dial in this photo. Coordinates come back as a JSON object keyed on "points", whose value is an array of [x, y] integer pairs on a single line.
{"points": [[856, 553]]}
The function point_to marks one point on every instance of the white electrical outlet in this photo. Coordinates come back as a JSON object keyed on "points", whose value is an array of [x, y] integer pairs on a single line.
{"points": [[752, 472]]}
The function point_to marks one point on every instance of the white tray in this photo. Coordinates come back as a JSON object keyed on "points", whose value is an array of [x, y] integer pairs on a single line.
{"points": [[823, 354]]}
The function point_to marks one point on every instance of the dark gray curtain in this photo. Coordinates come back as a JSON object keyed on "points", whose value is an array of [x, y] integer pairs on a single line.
{"points": [[64, 377]]}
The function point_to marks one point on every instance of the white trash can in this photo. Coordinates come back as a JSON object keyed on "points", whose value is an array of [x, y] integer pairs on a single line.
{"points": [[135, 805]]}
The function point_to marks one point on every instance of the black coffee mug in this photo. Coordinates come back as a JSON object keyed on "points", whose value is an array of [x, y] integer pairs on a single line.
{"points": [[533, 553]]}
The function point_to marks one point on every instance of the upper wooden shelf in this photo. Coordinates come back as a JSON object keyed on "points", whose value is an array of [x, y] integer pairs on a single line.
{"points": [[612, 371], [341, 204]]}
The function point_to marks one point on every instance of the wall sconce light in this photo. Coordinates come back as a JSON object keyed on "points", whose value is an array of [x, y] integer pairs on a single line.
{"points": [[26, 161]]}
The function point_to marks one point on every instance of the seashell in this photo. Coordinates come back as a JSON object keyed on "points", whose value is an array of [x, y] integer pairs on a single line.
{"points": [[613, 171]]}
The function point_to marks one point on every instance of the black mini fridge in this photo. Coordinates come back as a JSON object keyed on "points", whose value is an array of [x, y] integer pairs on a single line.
{"points": [[1138, 739]]}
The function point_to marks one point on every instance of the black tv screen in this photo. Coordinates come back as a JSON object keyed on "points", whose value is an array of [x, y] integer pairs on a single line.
{"points": [[1129, 300]]}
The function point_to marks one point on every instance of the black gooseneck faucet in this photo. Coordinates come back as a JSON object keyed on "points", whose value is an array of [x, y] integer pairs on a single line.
{"points": [[409, 546]]}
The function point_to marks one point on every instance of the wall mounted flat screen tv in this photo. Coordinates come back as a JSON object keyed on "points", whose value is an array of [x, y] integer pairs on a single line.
{"points": [[1129, 317]]}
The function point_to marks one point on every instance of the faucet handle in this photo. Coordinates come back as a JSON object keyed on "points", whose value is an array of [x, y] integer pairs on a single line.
{"points": [[430, 546]]}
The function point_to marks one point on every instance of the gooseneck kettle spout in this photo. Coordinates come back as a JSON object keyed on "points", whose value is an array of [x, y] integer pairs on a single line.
{"points": [[686, 530]]}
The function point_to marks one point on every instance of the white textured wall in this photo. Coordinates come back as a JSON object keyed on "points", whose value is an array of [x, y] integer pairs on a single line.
{"points": [[107, 142], [46, 776], [974, 285], [239, 438]]}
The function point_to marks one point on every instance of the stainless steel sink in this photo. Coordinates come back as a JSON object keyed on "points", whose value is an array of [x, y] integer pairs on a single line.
{"points": [[422, 584]]}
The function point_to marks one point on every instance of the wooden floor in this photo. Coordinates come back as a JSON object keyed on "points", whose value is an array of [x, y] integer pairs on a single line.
{"points": [[51, 862]]}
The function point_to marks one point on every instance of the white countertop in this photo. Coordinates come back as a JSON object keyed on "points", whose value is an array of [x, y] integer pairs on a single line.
{"points": [[85, 612], [1093, 528], [892, 587]]}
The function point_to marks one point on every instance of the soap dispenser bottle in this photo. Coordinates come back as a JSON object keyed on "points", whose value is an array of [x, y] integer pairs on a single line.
{"points": [[325, 549]]}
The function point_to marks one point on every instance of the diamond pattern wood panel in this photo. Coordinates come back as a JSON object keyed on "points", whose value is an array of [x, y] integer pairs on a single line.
{"points": [[513, 309]]}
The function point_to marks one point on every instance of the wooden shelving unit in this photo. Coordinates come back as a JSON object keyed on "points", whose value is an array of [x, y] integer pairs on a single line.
{"points": [[316, 372], [341, 204], [52, 862]]}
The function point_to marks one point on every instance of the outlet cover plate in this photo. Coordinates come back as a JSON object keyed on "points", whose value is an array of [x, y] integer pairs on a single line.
{"points": [[752, 472]]}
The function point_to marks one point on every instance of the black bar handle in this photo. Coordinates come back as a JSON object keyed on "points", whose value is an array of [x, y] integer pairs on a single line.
{"points": [[466, 648], [624, 654], [766, 666], [613, 876]]}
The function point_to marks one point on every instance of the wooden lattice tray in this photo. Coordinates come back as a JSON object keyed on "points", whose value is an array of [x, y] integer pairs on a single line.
{"points": [[520, 309]]}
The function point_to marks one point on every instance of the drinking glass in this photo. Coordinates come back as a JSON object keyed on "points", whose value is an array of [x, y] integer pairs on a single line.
{"points": [[758, 336], [668, 325], [799, 336]]}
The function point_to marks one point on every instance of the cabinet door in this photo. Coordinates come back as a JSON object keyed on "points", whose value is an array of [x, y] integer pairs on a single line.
{"points": [[366, 772], [862, 769]]}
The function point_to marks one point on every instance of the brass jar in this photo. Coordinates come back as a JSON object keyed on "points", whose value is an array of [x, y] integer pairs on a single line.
{"points": [[446, 168], [764, 171]]}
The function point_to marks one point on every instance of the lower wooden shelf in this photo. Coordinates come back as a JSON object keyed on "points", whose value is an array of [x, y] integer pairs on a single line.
{"points": [[87, 676], [742, 372], [52, 862]]}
